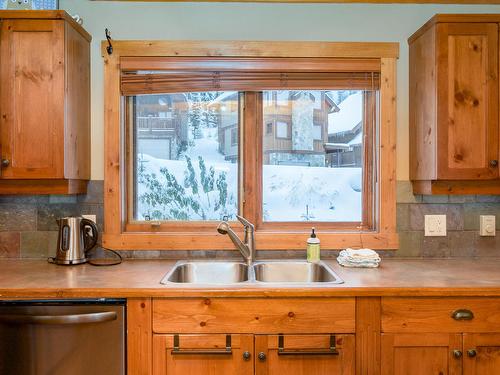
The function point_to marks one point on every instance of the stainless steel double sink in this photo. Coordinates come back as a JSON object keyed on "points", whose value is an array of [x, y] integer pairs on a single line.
{"points": [[232, 272]]}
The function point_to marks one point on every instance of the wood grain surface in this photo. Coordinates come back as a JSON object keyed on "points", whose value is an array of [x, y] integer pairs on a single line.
{"points": [[141, 278]]}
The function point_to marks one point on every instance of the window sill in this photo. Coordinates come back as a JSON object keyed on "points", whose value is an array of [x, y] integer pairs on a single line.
{"points": [[264, 241]]}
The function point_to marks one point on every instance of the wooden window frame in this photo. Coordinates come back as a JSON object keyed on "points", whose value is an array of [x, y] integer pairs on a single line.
{"points": [[118, 235]]}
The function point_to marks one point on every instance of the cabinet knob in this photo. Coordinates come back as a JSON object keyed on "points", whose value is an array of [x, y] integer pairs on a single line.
{"points": [[262, 356], [246, 356], [457, 354], [471, 353], [5, 163], [493, 163]]}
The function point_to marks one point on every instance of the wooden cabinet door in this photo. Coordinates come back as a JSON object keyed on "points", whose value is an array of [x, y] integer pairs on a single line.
{"points": [[32, 98], [467, 111], [421, 354], [481, 353], [203, 354], [301, 355]]}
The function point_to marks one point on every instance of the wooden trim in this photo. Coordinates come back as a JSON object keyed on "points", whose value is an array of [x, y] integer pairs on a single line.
{"points": [[139, 336], [113, 199], [368, 318], [488, 2], [445, 187], [296, 49], [252, 183], [458, 18], [387, 149], [249, 64], [58, 186], [45, 15], [264, 241], [292, 237]]}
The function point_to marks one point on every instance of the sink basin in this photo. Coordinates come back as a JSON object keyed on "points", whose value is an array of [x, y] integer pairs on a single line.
{"points": [[201, 272], [294, 272]]}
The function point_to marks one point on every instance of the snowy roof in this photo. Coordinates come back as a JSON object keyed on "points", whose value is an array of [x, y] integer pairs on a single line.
{"points": [[224, 96], [349, 115], [357, 140], [336, 146]]}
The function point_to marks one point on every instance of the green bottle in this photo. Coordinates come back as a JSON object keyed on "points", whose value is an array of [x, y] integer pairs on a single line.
{"points": [[313, 248]]}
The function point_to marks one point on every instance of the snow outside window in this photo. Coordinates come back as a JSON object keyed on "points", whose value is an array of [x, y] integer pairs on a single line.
{"points": [[306, 180], [186, 164]]}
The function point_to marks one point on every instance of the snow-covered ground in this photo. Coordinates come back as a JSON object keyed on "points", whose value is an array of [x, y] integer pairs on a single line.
{"points": [[291, 193]]}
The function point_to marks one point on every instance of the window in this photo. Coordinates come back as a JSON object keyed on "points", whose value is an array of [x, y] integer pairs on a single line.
{"points": [[269, 128], [317, 132], [234, 137], [207, 138], [282, 130], [300, 181], [186, 166]]}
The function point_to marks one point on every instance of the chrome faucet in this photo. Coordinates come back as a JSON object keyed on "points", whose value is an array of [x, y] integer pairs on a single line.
{"points": [[247, 247]]}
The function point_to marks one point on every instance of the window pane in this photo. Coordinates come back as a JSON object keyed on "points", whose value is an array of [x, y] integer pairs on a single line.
{"points": [[314, 173], [281, 129], [185, 148]]}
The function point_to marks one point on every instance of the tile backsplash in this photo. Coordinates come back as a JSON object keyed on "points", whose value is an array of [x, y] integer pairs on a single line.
{"points": [[28, 226]]}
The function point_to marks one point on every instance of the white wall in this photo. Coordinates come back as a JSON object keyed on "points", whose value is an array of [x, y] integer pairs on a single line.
{"points": [[246, 21]]}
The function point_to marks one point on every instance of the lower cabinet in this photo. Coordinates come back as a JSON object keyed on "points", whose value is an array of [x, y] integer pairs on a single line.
{"points": [[314, 336], [304, 354], [441, 353], [481, 353], [465, 338], [421, 354], [246, 354], [203, 354]]}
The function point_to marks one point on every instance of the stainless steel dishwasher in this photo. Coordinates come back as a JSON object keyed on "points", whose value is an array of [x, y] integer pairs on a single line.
{"points": [[62, 337]]}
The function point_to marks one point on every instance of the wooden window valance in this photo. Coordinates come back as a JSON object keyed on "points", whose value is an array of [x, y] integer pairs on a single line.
{"points": [[168, 75]]}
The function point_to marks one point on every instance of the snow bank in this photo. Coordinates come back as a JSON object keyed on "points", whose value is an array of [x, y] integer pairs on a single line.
{"points": [[291, 193]]}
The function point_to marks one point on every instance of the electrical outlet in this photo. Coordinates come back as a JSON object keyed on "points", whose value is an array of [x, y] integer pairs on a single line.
{"points": [[435, 225], [90, 217], [487, 225]]}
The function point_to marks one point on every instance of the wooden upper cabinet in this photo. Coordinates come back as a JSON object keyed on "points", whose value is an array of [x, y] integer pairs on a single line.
{"points": [[44, 104], [454, 112]]}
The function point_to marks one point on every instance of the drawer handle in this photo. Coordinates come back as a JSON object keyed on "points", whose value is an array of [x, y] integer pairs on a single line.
{"points": [[462, 314], [5, 163], [331, 351], [457, 354], [177, 350]]}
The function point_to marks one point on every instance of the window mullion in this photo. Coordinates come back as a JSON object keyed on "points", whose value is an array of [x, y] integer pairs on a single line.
{"points": [[251, 146]]}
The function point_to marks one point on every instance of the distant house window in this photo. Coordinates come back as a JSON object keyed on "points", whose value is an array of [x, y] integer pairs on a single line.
{"points": [[269, 128], [234, 137], [282, 130], [317, 133]]}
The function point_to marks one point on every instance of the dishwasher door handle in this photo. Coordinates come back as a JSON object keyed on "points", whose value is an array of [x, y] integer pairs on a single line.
{"points": [[99, 317]]}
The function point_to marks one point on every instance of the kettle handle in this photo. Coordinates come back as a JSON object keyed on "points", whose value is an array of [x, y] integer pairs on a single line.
{"points": [[93, 227]]}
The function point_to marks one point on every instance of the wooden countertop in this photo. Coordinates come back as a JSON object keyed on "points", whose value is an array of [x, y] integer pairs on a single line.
{"points": [[141, 278]]}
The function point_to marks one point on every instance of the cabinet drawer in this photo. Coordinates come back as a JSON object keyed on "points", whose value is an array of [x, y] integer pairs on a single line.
{"points": [[254, 315], [437, 314]]}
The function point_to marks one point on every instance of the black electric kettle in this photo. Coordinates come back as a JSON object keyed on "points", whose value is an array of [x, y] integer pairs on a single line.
{"points": [[76, 237]]}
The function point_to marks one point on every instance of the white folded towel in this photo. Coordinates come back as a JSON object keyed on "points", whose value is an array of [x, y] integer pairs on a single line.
{"points": [[358, 258]]}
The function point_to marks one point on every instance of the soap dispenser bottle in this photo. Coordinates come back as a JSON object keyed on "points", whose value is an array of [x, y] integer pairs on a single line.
{"points": [[313, 248]]}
